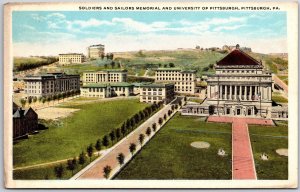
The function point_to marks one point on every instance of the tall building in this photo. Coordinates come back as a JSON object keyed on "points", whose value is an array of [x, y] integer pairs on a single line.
{"points": [[95, 51], [50, 84], [155, 93], [104, 90], [104, 76], [184, 80], [25, 121], [240, 87], [69, 58]]}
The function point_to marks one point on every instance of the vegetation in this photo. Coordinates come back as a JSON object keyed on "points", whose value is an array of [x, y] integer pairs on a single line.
{"points": [[278, 98], [170, 156], [25, 63], [266, 139], [74, 133], [106, 170]]}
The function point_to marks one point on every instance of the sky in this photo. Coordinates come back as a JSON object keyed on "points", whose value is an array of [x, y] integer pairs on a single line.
{"points": [[51, 33]]}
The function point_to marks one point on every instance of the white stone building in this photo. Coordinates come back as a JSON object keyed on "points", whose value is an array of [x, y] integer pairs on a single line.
{"points": [[106, 90], [95, 51], [240, 87], [104, 76], [50, 84], [71, 58], [155, 93], [184, 80]]}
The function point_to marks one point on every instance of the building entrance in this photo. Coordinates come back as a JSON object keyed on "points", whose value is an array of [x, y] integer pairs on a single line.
{"points": [[238, 111]]}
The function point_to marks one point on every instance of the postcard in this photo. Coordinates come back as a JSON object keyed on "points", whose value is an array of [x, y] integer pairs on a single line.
{"points": [[151, 95]]}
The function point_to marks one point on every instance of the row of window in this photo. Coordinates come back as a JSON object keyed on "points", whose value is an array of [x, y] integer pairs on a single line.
{"points": [[153, 98], [154, 93], [172, 74], [252, 78], [173, 79]]}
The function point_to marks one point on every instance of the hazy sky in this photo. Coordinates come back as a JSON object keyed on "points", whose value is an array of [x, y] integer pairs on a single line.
{"points": [[50, 33]]}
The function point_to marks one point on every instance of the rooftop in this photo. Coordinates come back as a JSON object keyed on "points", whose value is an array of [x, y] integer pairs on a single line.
{"points": [[238, 57], [103, 85], [70, 54], [176, 69], [157, 85]]}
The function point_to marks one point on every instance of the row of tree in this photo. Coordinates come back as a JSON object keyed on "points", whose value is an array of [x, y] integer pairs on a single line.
{"points": [[113, 64], [54, 97], [34, 64], [132, 146], [114, 136], [108, 56]]}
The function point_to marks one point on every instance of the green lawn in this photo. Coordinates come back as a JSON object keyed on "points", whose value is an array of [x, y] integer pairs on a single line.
{"points": [[284, 78], [169, 154], [266, 139], [70, 136], [47, 172], [278, 98]]}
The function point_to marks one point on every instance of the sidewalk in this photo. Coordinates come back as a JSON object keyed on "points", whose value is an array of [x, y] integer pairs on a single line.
{"points": [[243, 166], [95, 169]]}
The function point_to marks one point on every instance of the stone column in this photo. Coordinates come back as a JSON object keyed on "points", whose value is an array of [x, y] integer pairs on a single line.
{"points": [[270, 93], [246, 94], [240, 93], [255, 91], [221, 91], [225, 91], [250, 95], [235, 92], [230, 93]]}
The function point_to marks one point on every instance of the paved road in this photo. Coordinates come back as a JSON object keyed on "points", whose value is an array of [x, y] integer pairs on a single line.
{"points": [[95, 169], [243, 166]]}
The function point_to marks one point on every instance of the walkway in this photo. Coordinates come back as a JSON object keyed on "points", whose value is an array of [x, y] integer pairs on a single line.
{"points": [[95, 169], [243, 166]]}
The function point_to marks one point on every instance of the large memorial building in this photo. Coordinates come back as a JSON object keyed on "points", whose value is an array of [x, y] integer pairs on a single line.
{"points": [[240, 87]]}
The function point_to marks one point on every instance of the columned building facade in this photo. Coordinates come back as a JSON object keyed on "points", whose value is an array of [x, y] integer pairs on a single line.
{"points": [[105, 76], [240, 87]]}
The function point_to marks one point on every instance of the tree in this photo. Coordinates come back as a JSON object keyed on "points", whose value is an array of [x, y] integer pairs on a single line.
{"points": [[123, 130], [118, 133], [34, 100], [23, 102], [105, 141], [98, 145], [112, 136], [70, 165], [59, 96], [165, 65], [40, 99], [64, 95], [154, 127], [106, 171], [81, 160], [43, 100], [59, 171], [169, 112], [148, 131], [132, 148], [141, 138], [48, 99], [121, 158], [112, 64], [118, 65], [171, 65], [54, 97], [160, 121], [105, 65], [102, 56], [90, 151], [29, 100], [165, 116]]}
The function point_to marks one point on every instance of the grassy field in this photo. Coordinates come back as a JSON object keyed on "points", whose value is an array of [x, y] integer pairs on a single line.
{"points": [[187, 59], [278, 98], [47, 172], [68, 137], [284, 78], [32, 62], [266, 140], [169, 154]]}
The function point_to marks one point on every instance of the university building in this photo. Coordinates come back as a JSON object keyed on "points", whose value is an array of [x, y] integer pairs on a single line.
{"points": [[25, 121], [50, 84], [155, 93], [184, 80], [240, 87], [106, 90], [105, 76], [95, 51], [69, 58]]}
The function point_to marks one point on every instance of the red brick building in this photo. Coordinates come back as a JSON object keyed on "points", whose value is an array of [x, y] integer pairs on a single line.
{"points": [[25, 121]]}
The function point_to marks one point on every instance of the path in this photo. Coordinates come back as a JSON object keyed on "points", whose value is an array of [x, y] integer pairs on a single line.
{"points": [[243, 166], [278, 81], [95, 169]]}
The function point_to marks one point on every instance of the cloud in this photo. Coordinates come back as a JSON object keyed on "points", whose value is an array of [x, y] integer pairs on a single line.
{"points": [[228, 28]]}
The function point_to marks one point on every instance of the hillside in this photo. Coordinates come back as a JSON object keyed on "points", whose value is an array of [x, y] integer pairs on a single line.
{"points": [[143, 63], [25, 63]]}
